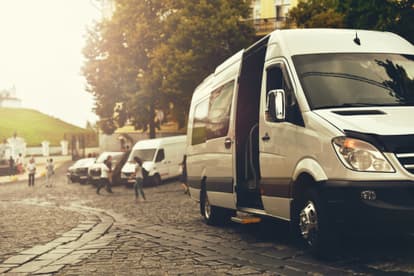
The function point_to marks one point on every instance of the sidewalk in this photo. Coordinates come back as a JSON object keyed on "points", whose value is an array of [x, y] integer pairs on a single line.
{"points": [[40, 167]]}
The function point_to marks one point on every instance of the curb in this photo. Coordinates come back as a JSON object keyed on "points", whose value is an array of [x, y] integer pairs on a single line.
{"points": [[24, 176]]}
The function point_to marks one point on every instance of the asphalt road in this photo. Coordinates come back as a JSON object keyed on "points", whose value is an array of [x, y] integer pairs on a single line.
{"points": [[70, 230]]}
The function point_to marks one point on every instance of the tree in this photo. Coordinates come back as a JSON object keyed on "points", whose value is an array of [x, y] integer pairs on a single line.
{"points": [[199, 36], [403, 24], [118, 53], [371, 14], [107, 72], [152, 53], [384, 15], [317, 14], [196, 40]]}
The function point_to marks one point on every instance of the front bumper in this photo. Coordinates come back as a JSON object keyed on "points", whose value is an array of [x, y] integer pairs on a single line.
{"points": [[83, 178], [127, 179], [72, 177], [391, 209], [94, 179]]}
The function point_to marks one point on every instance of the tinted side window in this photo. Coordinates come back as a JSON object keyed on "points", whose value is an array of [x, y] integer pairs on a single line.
{"points": [[219, 111], [160, 156], [277, 78], [200, 121]]}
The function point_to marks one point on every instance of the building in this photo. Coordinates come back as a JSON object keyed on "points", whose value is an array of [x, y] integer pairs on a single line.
{"points": [[269, 15], [8, 98]]}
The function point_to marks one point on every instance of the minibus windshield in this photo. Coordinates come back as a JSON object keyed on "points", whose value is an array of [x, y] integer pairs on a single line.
{"points": [[143, 154], [356, 80]]}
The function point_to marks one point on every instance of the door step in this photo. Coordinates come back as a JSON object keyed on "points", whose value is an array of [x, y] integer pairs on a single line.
{"points": [[246, 219]]}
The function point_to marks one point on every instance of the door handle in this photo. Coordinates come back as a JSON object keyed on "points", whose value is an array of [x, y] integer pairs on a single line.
{"points": [[227, 143], [266, 137]]}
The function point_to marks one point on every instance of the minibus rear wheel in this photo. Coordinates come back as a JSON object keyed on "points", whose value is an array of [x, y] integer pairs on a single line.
{"points": [[213, 215]]}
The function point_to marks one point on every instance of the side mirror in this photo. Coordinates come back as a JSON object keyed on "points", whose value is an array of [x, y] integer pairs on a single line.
{"points": [[276, 104]]}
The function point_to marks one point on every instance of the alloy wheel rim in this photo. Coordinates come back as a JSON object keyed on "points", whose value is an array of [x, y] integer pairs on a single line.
{"points": [[308, 223], [207, 207]]}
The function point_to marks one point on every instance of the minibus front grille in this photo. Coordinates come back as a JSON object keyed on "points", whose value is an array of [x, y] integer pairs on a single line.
{"points": [[407, 161]]}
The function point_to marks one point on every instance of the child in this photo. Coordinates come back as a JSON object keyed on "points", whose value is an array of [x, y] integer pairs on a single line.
{"points": [[138, 179]]}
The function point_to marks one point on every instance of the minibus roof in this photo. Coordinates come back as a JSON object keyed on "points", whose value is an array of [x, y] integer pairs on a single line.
{"points": [[313, 41], [157, 142]]}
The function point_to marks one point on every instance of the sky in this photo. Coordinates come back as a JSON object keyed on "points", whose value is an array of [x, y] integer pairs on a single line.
{"points": [[41, 46]]}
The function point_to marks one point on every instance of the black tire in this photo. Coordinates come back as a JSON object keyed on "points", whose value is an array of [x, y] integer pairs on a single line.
{"points": [[313, 226], [213, 215], [156, 180]]}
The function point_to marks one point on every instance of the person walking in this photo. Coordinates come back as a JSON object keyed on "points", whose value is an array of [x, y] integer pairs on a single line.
{"points": [[104, 179], [108, 163], [12, 169], [139, 179], [31, 169], [19, 163], [50, 171], [183, 176]]}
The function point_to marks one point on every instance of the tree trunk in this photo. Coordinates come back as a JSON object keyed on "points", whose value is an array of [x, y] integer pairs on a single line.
{"points": [[151, 121]]}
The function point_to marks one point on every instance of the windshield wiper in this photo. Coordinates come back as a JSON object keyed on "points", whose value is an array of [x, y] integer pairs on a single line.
{"points": [[346, 76]]}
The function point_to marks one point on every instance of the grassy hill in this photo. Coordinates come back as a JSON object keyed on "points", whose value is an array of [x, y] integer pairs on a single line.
{"points": [[35, 126]]}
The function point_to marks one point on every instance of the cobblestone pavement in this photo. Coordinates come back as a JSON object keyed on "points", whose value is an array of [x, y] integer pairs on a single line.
{"points": [[74, 231], [31, 232]]}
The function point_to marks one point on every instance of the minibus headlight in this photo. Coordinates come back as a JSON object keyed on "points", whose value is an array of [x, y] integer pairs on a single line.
{"points": [[361, 156]]}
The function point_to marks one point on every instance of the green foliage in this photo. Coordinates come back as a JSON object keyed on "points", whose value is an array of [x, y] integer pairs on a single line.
{"points": [[403, 24], [317, 14], [35, 127], [153, 53], [384, 15], [200, 35], [371, 14]]}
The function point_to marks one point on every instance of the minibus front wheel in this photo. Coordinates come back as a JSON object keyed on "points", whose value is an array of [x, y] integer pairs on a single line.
{"points": [[156, 180], [314, 226]]}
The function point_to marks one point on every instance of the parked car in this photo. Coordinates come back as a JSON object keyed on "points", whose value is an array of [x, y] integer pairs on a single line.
{"points": [[118, 160], [78, 172], [161, 159]]}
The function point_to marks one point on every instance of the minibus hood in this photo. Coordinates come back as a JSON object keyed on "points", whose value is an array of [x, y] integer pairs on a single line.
{"points": [[380, 120], [129, 167]]}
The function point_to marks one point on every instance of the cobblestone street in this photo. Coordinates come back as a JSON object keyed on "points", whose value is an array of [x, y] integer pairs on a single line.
{"points": [[70, 230]]}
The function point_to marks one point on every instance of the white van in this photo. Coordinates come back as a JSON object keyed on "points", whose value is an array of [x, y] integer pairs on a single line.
{"points": [[161, 158], [311, 126]]}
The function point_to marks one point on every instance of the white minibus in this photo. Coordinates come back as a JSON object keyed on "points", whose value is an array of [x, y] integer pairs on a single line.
{"points": [[311, 126], [161, 158]]}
